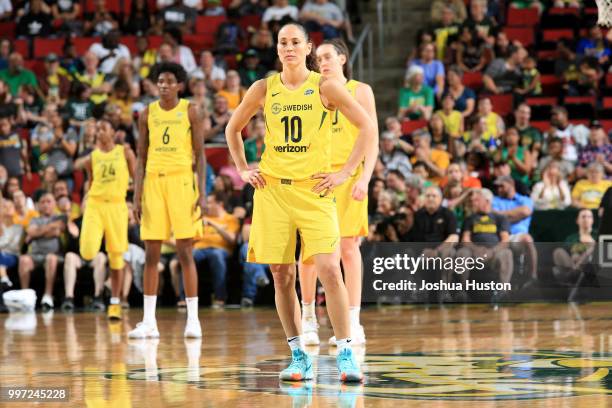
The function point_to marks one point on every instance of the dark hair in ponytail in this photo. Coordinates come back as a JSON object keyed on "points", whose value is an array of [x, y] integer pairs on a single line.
{"points": [[342, 49], [311, 59]]}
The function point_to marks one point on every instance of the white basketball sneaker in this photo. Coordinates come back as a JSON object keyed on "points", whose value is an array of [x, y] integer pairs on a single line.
{"points": [[310, 332], [193, 330], [144, 331]]}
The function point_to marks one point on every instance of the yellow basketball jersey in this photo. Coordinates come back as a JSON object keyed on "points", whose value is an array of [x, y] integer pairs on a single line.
{"points": [[344, 133], [492, 120], [298, 130], [170, 147], [110, 173]]}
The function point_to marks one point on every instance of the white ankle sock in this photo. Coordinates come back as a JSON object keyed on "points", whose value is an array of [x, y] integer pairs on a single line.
{"points": [[343, 344], [149, 310], [192, 308], [354, 315], [308, 311], [295, 343], [114, 301]]}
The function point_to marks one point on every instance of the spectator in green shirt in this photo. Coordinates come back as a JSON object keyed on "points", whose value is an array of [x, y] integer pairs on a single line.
{"points": [[254, 146], [531, 138], [577, 250], [416, 99], [16, 75], [251, 70]]}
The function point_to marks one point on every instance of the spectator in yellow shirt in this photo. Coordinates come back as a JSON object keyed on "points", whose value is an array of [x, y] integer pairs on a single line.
{"points": [[453, 120], [587, 193], [435, 160], [215, 242], [479, 139], [233, 91], [23, 215], [495, 124]]}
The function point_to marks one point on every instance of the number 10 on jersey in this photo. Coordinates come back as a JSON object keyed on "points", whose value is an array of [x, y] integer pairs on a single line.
{"points": [[293, 128]]}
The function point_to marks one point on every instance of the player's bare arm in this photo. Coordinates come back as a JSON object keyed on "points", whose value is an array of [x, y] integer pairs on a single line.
{"points": [[338, 97], [141, 162], [196, 119], [89, 170], [130, 158], [252, 101], [365, 97]]}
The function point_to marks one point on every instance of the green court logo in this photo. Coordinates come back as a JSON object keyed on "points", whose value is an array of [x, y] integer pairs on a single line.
{"points": [[458, 376]]}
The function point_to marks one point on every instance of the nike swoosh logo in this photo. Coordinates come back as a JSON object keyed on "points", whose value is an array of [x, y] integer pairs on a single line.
{"points": [[274, 94]]}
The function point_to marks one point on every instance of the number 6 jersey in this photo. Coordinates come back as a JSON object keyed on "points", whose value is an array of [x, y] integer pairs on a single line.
{"points": [[170, 147], [298, 130], [110, 174]]}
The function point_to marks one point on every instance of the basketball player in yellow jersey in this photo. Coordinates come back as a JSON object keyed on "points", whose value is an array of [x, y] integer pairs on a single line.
{"points": [[166, 193], [351, 197], [109, 168], [293, 185]]}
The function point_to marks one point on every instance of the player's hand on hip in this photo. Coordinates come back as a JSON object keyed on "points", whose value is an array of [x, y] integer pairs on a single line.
{"points": [[253, 177], [360, 190], [329, 181]]}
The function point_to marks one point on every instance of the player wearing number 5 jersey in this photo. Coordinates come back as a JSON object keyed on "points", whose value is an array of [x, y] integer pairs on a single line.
{"points": [[294, 187], [166, 193], [351, 197], [109, 168]]}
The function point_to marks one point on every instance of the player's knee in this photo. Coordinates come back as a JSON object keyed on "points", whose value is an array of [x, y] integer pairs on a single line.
{"points": [[349, 246], [152, 258], [282, 278], [115, 260], [329, 273], [184, 257], [308, 268], [282, 281]]}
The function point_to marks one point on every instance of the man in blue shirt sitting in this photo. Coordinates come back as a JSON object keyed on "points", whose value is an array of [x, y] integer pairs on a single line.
{"points": [[517, 209]]}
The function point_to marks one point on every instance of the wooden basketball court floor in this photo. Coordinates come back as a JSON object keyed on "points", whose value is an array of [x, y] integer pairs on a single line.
{"points": [[541, 355]]}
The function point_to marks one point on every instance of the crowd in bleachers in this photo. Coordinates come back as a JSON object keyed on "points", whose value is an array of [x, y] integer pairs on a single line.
{"points": [[521, 91], [506, 108], [65, 64]]}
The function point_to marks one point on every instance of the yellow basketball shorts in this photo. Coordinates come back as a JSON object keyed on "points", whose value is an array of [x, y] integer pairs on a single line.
{"points": [[352, 214], [168, 206], [106, 219], [284, 207]]}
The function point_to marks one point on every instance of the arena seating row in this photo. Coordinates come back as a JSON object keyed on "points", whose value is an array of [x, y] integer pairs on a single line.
{"points": [[204, 37]]}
